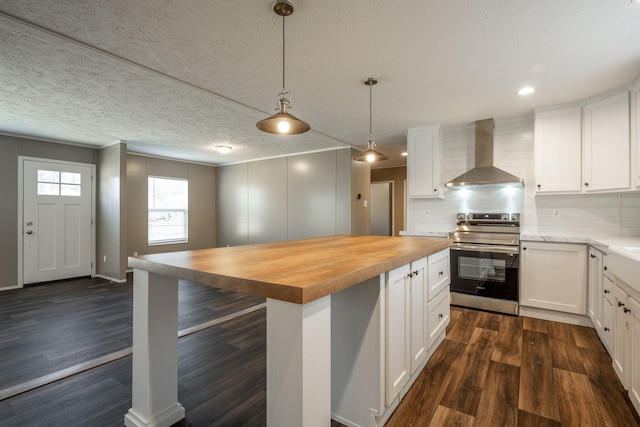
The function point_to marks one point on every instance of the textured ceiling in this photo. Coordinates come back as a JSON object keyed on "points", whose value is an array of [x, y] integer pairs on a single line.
{"points": [[175, 78]]}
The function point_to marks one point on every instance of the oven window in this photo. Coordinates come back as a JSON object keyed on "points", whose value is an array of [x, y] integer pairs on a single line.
{"points": [[483, 269]]}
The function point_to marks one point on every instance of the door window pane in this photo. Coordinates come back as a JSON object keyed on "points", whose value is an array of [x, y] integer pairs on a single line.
{"points": [[47, 189], [70, 178], [55, 183], [48, 176], [70, 190]]}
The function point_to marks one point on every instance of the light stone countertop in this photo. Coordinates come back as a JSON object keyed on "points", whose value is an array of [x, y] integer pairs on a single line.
{"points": [[606, 243], [408, 233]]}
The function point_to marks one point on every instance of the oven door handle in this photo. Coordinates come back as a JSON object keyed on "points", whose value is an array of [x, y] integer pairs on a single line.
{"points": [[486, 248]]}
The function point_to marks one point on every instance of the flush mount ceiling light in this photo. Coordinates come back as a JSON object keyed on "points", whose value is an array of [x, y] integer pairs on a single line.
{"points": [[223, 149], [527, 90], [371, 154], [282, 122]]}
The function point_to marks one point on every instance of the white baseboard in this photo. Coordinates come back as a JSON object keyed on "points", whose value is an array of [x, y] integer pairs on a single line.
{"points": [[111, 279], [556, 316]]}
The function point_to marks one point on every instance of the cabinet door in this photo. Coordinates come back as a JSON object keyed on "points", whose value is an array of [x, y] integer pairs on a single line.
{"points": [[634, 385], [607, 325], [621, 336], [423, 162], [554, 276], [558, 150], [636, 135], [398, 360], [606, 144], [595, 286], [418, 298]]}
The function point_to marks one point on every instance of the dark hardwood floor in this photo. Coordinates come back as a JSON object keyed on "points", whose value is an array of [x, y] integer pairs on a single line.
{"points": [[497, 370], [49, 327], [491, 370]]}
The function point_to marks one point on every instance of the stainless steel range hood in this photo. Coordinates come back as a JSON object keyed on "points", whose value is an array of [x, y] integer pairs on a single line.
{"points": [[484, 173]]}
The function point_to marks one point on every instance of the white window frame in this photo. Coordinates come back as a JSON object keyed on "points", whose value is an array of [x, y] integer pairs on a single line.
{"points": [[185, 212]]}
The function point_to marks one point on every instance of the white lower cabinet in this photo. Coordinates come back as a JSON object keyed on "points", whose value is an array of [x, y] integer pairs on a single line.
{"points": [[595, 285], [394, 326], [553, 276], [626, 346], [398, 331], [634, 384], [621, 336]]}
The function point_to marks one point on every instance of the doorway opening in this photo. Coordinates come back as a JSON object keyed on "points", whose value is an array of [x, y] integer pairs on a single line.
{"points": [[381, 210]]}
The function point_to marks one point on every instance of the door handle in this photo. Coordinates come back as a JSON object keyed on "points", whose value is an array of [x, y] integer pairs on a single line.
{"points": [[29, 232], [29, 224]]}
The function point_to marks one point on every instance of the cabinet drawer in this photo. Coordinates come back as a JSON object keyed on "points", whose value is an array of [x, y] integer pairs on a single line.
{"points": [[438, 313], [439, 277]]}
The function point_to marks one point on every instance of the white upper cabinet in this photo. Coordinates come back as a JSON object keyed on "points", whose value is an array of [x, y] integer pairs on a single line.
{"points": [[558, 148], [606, 144], [423, 162], [635, 130]]}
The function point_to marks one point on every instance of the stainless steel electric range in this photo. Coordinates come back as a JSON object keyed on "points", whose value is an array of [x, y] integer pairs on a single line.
{"points": [[484, 261]]}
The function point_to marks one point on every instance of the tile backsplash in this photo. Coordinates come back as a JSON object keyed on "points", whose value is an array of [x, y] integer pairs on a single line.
{"points": [[599, 214]]}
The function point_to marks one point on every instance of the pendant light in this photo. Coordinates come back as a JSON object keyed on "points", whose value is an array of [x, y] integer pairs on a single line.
{"points": [[282, 122], [371, 154]]}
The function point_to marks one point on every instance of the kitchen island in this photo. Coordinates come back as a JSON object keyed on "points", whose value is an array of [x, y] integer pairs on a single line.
{"points": [[297, 278]]}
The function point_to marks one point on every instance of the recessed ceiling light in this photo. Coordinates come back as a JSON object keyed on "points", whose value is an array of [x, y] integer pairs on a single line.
{"points": [[404, 154], [224, 149], [527, 90]]}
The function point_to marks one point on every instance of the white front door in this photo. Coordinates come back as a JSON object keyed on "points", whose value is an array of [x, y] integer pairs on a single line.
{"points": [[56, 220]]}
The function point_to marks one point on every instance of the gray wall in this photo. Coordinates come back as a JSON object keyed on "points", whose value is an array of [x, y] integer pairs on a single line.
{"points": [[202, 200], [10, 149], [110, 215], [293, 197]]}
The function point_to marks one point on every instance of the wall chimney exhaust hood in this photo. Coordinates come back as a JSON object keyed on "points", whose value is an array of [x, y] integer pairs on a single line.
{"points": [[484, 173]]}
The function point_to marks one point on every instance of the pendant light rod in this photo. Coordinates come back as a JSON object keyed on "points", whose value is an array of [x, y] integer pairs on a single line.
{"points": [[283, 63], [370, 81]]}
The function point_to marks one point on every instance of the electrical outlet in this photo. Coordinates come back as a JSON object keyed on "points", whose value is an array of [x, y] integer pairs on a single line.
{"points": [[556, 212], [365, 203], [135, 254], [105, 258]]}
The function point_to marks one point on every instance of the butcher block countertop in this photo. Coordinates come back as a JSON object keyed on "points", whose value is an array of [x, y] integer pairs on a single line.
{"points": [[298, 271]]}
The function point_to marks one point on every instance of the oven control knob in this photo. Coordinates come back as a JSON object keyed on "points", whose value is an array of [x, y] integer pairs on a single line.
{"points": [[515, 217]]}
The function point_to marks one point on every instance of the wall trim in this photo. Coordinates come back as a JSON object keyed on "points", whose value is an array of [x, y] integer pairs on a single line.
{"points": [[111, 279]]}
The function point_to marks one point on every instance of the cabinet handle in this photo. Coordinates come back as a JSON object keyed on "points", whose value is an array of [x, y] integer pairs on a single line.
{"points": [[415, 273], [524, 249], [586, 184], [442, 273], [626, 310], [592, 256], [605, 268], [620, 304], [440, 315], [435, 190], [539, 186], [606, 291], [410, 275], [606, 329]]}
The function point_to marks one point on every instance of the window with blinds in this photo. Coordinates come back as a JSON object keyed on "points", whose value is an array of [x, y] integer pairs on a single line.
{"points": [[168, 210]]}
